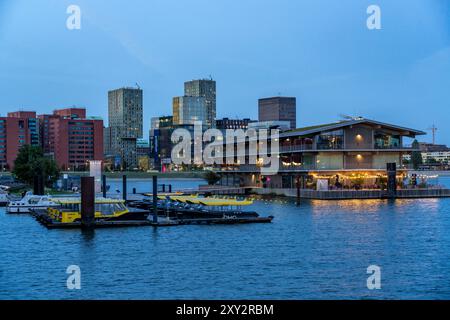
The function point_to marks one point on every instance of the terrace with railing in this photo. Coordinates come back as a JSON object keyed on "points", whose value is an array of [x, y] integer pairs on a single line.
{"points": [[299, 167], [341, 147]]}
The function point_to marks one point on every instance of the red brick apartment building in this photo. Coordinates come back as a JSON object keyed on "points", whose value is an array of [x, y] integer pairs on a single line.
{"points": [[68, 135], [72, 138], [17, 129]]}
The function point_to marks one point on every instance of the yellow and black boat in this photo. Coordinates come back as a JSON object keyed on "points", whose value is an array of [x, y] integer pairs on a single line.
{"points": [[195, 207], [68, 210]]}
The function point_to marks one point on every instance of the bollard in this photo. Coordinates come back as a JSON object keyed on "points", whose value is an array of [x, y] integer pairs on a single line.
{"points": [[155, 199], [87, 202], [124, 187], [170, 188], [392, 179], [104, 186], [65, 182], [164, 187], [134, 190]]}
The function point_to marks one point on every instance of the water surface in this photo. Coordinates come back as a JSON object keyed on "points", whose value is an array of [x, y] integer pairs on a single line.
{"points": [[320, 250]]}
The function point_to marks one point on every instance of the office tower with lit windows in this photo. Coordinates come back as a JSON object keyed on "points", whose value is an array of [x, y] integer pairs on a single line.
{"points": [[187, 110], [205, 88], [160, 140], [125, 114]]}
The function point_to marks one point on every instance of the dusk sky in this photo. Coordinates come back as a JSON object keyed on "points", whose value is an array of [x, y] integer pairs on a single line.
{"points": [[319, 51]]}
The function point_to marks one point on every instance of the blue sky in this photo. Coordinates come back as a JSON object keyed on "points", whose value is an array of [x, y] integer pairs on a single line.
{"points": [[318, 50]]}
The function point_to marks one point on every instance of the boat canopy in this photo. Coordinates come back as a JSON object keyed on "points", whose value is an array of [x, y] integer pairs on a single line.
{"points": [[164, 194], [208, 201]]}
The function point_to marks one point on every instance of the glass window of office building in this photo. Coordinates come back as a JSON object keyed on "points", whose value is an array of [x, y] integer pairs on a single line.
{"points": [[386, 141], [330, 140]]}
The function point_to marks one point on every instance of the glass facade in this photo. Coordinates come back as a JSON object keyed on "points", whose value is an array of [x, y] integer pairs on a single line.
{"points": [[387, 141], [205, 88], [33, 127], [330, 140], [125, 112], [329, 161], [188, 110]]}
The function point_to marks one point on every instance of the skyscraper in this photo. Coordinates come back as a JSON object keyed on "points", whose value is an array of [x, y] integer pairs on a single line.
{"points": [[160, 140], [187, 110], [125, 113], [204, 88], [278, 109]]}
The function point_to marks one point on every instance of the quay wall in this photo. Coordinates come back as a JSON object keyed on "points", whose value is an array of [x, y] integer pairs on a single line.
{"points": [[354, 194]]}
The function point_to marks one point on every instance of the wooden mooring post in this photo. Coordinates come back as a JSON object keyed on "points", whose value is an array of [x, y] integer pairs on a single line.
{"points": [[392, 180], [124, 187], [87, 202], [298, 190], [155, 199], [104, 185], [38, 185]]}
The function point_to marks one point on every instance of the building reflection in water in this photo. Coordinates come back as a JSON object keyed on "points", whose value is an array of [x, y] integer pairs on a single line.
{"points": [[368, 206]]}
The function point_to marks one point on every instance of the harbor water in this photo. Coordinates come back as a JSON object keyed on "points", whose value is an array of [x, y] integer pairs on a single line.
{"points": [[319, 250]]}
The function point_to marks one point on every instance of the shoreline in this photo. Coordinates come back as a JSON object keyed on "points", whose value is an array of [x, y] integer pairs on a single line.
{"points": [[431, 172], [143, 175], [159, 178]]}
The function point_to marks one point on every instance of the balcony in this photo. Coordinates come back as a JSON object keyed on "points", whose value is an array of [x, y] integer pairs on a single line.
{"points": [[283, 167], [296, 148], [394, 147], [346, 147]]}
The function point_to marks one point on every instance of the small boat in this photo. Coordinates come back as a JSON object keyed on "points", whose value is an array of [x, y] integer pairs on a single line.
{"points": [[68, 210], [30, 202], [194, 207]]}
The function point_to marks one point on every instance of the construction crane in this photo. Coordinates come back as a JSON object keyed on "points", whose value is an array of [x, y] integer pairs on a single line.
{"points": [[433, 130]]}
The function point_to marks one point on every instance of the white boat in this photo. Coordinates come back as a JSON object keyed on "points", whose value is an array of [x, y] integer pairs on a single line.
{"points": [[30, 201]]}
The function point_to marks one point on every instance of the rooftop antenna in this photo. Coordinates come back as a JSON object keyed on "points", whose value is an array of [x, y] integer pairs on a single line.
{"points": [[138, 86], [433, 129], [347, 117]]}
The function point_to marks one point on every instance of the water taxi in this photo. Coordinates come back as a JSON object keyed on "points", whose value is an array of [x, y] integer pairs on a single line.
{"points": [[194, 207], [30, 202], [69, 210]]}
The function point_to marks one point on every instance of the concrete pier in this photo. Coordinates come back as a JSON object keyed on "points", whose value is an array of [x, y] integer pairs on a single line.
{"points": [[355, 194]]}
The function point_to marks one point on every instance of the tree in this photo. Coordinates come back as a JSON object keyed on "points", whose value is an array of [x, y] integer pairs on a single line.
{"points": [[416, 156], [212, 178], [31, 162]]}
